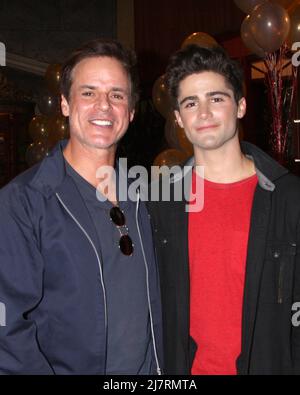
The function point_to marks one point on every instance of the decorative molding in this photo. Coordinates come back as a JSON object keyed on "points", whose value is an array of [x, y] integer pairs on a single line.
{"points": [[26, 64]]}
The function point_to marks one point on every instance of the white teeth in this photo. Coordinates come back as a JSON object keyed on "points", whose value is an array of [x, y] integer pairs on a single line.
{"points": [[101, 123]]}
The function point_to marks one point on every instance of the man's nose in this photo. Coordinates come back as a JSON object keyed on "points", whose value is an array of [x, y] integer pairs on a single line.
{"points": [[204, 110], [103, 102]]}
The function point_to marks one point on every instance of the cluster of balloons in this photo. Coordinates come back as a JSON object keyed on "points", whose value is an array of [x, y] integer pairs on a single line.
{"points": [[48, 126], [180, 147], [269, 24]]}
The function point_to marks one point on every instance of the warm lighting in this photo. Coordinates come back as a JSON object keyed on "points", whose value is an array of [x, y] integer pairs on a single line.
{"points": [[296, 120]]}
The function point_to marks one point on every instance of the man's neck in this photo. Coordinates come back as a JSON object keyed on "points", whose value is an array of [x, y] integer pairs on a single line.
{"points": [[88, 163], [225, 165]]}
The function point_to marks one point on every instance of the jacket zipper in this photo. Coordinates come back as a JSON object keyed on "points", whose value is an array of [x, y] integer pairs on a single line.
{"points": [[99, 264], [158, 369]]}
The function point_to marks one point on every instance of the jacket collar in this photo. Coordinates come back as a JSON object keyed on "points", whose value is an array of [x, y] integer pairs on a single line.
{"points": [[51, 172], [51, 179], [267, 169]]}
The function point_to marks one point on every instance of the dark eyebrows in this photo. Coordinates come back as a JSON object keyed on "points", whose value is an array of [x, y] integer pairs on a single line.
{"points": [[209, 94], [187, 99], [87, 87], [214, 93], [118, 89], [113, 89]]}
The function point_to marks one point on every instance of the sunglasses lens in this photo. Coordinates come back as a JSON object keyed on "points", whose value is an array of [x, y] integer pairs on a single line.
{"points": [[117, 216], [126, 245]]}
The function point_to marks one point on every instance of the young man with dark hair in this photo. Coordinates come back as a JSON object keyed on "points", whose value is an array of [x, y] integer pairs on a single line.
{"points": [[78, 277], [230, 273]]}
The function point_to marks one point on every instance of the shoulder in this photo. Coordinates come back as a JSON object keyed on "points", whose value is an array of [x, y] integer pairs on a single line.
{"points": [[17, 186], [288, 185], [19, 200]]}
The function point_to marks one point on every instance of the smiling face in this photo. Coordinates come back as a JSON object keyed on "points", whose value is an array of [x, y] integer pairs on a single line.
{"points": [[208, 111], [99, 104]]}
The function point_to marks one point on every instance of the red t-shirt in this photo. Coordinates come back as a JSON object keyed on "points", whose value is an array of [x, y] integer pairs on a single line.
{"points": [[218, 239]]}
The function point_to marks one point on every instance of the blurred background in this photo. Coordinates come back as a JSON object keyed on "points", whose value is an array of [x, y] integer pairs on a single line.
{"points": [[38, 36]]}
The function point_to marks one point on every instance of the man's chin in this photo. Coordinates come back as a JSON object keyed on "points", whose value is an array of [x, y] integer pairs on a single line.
{"points": [[104, 146], [206, 144], [98, 145]]}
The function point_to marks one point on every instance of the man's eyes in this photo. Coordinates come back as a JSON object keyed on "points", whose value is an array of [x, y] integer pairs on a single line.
{"points": [[87, 93], [112, 96], [213, 99], [190, 104], [117, 96], [217, 99]]}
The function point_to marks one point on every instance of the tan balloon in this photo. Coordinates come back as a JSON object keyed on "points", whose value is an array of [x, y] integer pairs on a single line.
{"points": [[202, 39], [39, 128], [161, 97], [52, 77], [58, 129], [170, 157], [248, 39], [269, 24]]}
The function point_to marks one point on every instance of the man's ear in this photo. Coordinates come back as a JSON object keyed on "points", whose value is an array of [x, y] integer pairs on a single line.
{"points": [[131, 115], [64, 106], [242, 106], [178, 118]]}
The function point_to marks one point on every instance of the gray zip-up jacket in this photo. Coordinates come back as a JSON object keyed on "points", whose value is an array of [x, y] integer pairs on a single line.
{"points": [[52, 294]]}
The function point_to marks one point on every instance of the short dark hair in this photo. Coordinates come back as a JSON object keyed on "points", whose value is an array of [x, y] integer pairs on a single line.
{"points": [[105, 48], [194, 59]]}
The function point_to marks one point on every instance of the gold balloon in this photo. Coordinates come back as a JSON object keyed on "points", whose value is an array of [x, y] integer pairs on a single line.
{"points": [[36, 152], [161, 97], [170, 157], [184, 142], [52, 76], [270, 25], [39, 128], [58, 129], [248, 39], [204, 40]]}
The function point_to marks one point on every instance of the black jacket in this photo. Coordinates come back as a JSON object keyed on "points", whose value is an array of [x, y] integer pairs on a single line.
{"points": [[270, 343]]}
